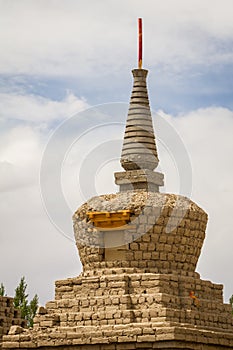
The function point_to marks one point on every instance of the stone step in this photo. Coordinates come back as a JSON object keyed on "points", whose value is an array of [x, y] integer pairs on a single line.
{"points": [[142, 145], [144, 128]]}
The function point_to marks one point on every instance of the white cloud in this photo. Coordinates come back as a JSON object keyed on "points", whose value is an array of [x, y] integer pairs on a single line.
{"points": [[31, 246], [77, 37], [28, 234], [20, 152], [24, 120], [36, 109]]}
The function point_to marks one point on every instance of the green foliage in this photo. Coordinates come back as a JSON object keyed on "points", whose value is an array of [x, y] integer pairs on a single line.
{"points": [[2, 290], [231, 302], [20, 298], [33, 306], [28, 309]]}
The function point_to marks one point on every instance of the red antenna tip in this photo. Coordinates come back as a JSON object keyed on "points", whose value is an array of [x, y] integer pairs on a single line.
{"points": [[139, 43]]}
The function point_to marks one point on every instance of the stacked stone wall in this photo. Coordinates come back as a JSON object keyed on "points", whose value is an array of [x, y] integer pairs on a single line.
{"points": [[146, 297], [9, 316], [130, 307]]}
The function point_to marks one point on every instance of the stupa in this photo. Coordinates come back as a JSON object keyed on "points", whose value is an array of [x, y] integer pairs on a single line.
{"points": [[139, 249]]}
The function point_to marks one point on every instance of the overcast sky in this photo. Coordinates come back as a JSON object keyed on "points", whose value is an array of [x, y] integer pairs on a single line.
{"points": [[60, 58]]}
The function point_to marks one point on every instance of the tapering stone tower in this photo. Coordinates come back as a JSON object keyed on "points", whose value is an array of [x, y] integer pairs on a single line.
{"points": [[139, 154], [139, 249]]}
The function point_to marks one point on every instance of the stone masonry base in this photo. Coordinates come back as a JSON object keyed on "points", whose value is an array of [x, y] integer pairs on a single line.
{"points": [[126, 310]]}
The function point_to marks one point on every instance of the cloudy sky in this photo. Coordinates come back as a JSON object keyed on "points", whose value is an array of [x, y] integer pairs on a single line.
{"points": [[62, 59]]}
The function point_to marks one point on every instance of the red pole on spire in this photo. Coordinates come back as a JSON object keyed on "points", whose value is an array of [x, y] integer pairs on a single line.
{"points": [[140, 43]]}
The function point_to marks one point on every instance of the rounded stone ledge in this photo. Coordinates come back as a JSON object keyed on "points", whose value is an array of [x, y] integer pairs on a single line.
{"points": [[139, 140], [140, 145], [141, 133], [139, 110], [140, 93], [137, 128], [138, 150], [141, 161], [139, 122], [165, 233]]}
